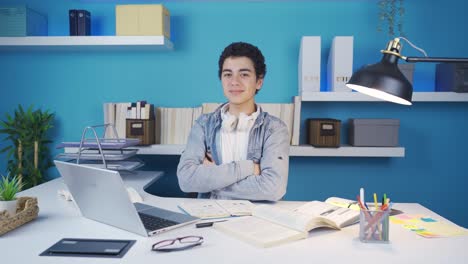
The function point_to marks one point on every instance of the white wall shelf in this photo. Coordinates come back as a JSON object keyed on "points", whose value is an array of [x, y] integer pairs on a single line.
{"points": [[161, 150], [346, 151], [86, 42], [358, 97], [295, 151]]}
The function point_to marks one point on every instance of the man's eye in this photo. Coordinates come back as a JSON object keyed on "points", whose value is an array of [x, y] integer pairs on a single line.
{"points": [[245, 75], [227, 75]]}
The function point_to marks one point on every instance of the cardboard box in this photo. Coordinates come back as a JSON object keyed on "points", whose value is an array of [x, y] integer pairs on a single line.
{"points": [[20, 21], [323, 132], [142, 20], [373, 132]]}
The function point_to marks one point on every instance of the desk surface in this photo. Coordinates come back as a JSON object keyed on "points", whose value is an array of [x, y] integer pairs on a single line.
{"points": [[59, 219]]}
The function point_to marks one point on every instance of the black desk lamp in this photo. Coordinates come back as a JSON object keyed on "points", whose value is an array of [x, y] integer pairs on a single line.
{"points": [[385, 81]]}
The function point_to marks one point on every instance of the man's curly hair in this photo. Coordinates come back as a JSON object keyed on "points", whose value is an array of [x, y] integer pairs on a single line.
{"points": [[242, 49]]}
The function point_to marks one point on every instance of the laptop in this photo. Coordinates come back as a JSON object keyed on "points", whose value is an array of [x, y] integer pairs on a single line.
{"points": [[101, 195]]}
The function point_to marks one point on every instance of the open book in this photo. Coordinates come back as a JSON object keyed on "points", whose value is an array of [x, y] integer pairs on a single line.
{"points": [[271, 225], [207, 209]]}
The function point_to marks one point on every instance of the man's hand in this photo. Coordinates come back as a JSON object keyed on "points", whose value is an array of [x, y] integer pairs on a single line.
{"points": [[208, 160], [257, 169]]}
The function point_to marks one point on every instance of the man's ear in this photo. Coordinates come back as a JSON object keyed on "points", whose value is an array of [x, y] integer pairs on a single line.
{"points": [[259, 83]]}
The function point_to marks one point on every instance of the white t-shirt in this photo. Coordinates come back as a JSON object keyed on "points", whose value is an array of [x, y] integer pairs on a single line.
{"points": [[235, 134]]}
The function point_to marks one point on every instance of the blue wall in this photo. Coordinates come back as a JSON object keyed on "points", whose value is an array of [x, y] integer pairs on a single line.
{"points": [[75, 84]]}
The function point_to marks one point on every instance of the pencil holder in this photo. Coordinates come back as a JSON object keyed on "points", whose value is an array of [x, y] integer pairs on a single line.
{"points": [[374, 226]]}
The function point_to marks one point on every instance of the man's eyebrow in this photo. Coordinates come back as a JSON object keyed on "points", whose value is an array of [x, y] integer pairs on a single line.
{"points": [[240, 70]]}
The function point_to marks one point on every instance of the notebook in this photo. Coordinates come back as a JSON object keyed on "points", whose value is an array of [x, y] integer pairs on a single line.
{"points": [[77, 247], [207, 209]]}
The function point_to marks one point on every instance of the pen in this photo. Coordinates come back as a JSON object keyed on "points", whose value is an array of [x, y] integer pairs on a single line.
{"points": [[366, 212], [361, 195], [207, 224], [375, 202]]}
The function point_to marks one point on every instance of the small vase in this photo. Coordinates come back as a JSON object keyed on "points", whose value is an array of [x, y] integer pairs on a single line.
{"points": [[10, 206]]}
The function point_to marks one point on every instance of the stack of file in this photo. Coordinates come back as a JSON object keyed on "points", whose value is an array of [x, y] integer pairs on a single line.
{"points": [[340, 64], [309, 65], [173, 125], [116, 113]]}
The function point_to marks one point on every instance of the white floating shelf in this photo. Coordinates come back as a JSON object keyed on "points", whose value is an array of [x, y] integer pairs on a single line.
{"points": [[161, 150], [86, 42], [295, 151], [298, 151], [359, 97], [347, 151]]}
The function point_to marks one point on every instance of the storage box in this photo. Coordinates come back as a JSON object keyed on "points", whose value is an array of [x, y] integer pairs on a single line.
{"points": [[20, 21], [323, 132], [373, 132], [451, 77], [142, 129], [142, 20]]}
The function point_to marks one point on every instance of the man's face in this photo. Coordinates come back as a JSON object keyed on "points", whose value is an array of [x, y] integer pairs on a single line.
{"points": [[239, 81]]}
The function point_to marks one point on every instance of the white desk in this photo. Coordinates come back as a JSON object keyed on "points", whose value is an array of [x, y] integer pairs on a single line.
{"points": [[59, 219]]}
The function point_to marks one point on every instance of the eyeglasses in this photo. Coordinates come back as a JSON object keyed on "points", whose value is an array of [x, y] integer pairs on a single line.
{"points": [[184, 243]]}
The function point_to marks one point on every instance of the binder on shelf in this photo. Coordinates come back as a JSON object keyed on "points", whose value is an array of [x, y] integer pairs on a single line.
{"points": [[309, 64], [72, 17], [83, 23], [296, 127], [340, 64]]}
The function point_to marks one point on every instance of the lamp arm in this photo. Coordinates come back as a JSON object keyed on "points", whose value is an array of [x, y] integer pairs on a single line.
{"points": [[435, 59]]}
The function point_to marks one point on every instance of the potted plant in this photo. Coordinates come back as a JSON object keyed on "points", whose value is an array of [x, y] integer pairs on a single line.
{"points": [[391, 18], [9, 187], [28, 154]]}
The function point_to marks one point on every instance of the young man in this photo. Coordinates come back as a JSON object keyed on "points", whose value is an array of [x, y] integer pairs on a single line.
{"points": [[238, 151]]}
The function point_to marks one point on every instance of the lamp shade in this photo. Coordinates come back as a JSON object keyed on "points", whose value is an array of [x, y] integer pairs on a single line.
{"points": [[383, 80]]}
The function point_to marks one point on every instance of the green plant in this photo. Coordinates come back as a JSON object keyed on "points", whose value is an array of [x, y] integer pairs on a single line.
{"points": [[28, 154], [391, 15], [9, 187]]}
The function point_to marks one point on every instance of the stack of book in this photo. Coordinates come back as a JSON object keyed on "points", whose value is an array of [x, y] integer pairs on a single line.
{"points": [[173, 125], [116, 113], [140, 110]]}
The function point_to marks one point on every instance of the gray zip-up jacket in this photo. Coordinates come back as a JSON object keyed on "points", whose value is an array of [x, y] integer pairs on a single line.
{"points": [[268, 146]]}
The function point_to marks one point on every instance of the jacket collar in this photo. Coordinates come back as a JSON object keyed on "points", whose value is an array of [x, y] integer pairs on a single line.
{"points": [[218, 120]]}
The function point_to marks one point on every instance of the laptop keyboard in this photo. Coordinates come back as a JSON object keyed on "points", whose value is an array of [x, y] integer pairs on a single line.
{"points": [[154, 223]]}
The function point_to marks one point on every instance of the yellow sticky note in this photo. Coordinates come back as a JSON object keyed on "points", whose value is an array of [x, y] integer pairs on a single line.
{"points": [[397, 221]]}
